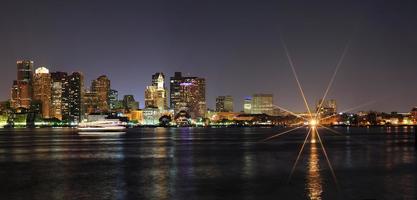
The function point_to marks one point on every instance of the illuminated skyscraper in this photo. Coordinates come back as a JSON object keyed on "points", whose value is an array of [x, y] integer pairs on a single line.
{"points": [[247, 105], [91, 102], [151, 97], [75, 96], [156, 95], [25, 94], [15, 95], [224, 104], [24, 70], [21, 93], [174, 91], [59, 95], [101, 86], [158, 80], [262, 104], [193, 96], [42, 90], [189, 94], [113, 99]]}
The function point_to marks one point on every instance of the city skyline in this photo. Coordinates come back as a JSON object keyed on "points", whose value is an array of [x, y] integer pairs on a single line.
{"points": [[223, 49], [157, 83], [239, 102], [208, 99]]}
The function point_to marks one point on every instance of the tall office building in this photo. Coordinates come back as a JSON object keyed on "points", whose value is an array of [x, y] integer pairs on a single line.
{"points": [[25, 94], [91, 102], [247, 105], [113, 99], [24, 70], [158, 80], [151, 97], [189, 94], [42, 90], [21, 93], [224, 104], [15, 93], [59, 95], [101, 86], [75, 96], [326, 107], [174, 91], [262, 104], [156, 95]]}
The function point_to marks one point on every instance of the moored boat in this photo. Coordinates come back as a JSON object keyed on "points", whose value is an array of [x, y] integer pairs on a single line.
{"points": [[103, 125]]}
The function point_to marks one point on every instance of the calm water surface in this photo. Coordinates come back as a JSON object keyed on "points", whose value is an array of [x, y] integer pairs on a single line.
{"points": [[200, 163]]}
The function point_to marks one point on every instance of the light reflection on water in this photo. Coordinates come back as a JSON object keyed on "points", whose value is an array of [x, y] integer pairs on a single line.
{"points": [[191, 163], [314, 180], [159, 177]]}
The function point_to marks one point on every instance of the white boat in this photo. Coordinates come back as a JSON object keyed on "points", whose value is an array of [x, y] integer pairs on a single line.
{"points": [[103, 125], [91, 133]]}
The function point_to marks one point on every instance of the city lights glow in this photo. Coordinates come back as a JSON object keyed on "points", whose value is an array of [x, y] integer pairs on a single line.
{"points": [[313, 123]]}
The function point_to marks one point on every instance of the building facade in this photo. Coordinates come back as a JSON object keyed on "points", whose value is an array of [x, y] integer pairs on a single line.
{"points": [[101, 87], [91, 103], [135, 116], [22, 91], [224, 104], [175, 91], [262, 104], [188, 94], [75, 97], [247, 105], [156, 95], [113, 99], [326, 107], [59, 95], [42, 90], [151, 116]]}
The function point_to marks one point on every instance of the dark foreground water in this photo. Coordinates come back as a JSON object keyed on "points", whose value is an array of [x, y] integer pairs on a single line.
{"points": [[199, 163]]}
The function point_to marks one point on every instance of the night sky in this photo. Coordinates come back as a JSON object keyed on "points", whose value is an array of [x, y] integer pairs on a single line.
{"points": [[235, 45]]}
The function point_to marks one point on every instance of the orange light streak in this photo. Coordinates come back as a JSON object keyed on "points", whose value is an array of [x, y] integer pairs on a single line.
{"points": [[299, 155], [279, 134], [339, 63], [295, 75], [327, 159], [290, 112], [333, 131]]}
